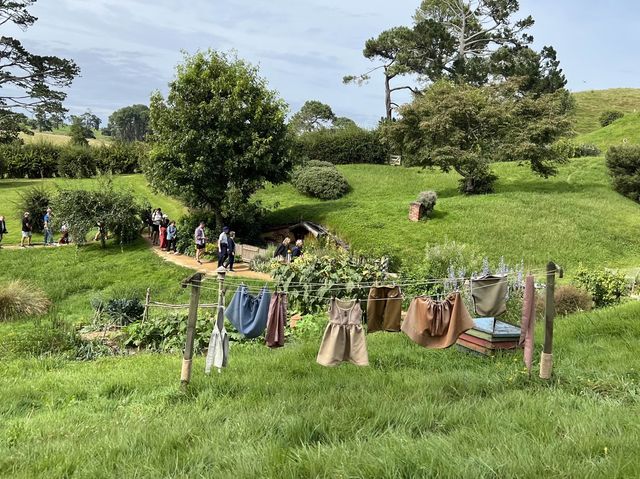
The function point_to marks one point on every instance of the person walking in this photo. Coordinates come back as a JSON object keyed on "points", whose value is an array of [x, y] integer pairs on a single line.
{"points": [[172, 237], [231, 250], [282, 251], [3, 229], [48, 228], [64, 234], [201, 241], [27, 228], [296, 252], [156, 219], [223, 246], [163, 233]]}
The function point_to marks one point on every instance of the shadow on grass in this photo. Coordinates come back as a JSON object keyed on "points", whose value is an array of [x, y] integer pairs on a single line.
{"points": [[312, 212], [7, 184]]}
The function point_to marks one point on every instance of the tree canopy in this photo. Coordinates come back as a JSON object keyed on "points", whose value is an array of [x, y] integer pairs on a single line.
{"points": [[218, 136], [130, 123], [28, 81]]}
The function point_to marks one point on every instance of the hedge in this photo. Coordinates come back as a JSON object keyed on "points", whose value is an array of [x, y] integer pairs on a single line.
{"points": [[624, 167], [340, 147], [320, 182]]}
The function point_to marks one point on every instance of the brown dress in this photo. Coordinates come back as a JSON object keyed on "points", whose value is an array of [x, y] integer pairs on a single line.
{"points": [[384, 309], [276, 320], [344, 338], [436, 324]]}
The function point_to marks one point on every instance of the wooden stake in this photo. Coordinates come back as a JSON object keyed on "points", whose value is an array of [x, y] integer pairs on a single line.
{"points": [[147, 300], [195, 280], [546, 360]]}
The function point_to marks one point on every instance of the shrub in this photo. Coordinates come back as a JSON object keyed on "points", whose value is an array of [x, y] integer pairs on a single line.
{"points": [[340, 146], [564, 148], [320, 182], [187, 226], [624, 167], [32, 160], [608, 117], [35, 200], [120, 157], [605, 287], [263, 263], [19, 299], [319, 163], [586, 149], [76, 162], [570, 299], [428, 200], [123, 311]]}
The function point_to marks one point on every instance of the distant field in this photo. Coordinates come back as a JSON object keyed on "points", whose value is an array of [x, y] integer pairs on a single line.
{"points": [[590, 104], [624, 130], [60, 138]]}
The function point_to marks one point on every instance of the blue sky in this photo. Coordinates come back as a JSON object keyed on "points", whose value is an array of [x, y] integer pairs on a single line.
{"points": [[128, 48]]}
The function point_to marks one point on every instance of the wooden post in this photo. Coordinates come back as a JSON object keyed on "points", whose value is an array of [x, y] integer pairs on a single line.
{"points": [[195, 281], [546, 360], [221, 275], [147, 299]]}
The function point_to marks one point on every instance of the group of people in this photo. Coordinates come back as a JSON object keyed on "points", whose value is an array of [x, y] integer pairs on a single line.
{"points": [[162, 231], [27, 230], [226, 246], [284, 253]]}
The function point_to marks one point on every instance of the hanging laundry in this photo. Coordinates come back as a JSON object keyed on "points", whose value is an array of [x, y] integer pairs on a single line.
{"points": [[436, 324], [489, 295], [276, 320], [384, 309], [218, 352], [527, 328], [249, 313], [344, 338]]}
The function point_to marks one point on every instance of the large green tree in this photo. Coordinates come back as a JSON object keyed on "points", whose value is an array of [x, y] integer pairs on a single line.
{"points": [[130, 123], [465, 128], [28, 81], [219, 135]]}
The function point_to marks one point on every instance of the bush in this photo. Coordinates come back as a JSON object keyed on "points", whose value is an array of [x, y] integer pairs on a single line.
{"points": [[32, 160], [319, 163], [123, 311], [340, 146], [570, 299], [605, 287], [624, 167], [264, 263], [120, 157], [477, 179], [76, 162], [35, 200], [608, 117], [428, 200], [584, 150], [19, 299], [187, 226], [320, 182]]}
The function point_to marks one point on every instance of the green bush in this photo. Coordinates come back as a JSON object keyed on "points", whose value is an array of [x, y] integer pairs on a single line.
{"points": [[19, 299], [120, 157], [428, 200], [585, 149], [31, 160], [320, 182], [605, 287], [76, 162], [624, 167], [319, 163], [609, 116], [340, 147], [123, 311], [570, 299], [35, 200]]}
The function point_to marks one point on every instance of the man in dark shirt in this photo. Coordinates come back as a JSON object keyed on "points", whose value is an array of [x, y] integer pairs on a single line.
{"points": [[27, 227]]}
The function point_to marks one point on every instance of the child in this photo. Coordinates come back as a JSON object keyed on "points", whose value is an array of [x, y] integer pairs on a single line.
{"points": [[172, 237]]}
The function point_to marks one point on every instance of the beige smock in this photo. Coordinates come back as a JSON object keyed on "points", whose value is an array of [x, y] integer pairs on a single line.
{"points": [[344, 338]]}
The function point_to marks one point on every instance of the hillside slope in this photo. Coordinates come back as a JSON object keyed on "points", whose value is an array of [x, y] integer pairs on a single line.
{"points": [[624, 130], [590, 104]]}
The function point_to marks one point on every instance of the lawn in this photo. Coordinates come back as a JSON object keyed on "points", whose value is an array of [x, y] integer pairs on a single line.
{"points": [[591, 104], [624, 130], [10, 193], [572, 218], [277, 414]]}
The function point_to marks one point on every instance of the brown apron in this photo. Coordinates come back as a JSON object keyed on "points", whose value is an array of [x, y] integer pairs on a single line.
{"points": [[276, 320], [384, 309], [344, 338]]}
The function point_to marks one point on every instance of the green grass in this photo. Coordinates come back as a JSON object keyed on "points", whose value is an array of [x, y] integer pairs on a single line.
{"points": [[572, 218], [623, 130], [10, 193], [277, 414], [591, 104]]}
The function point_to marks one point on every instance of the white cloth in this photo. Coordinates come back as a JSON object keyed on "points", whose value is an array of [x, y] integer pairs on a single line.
{"points": [[218, 353]]}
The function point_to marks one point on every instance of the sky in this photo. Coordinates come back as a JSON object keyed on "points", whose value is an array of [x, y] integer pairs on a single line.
{"points": [[128, 48]]}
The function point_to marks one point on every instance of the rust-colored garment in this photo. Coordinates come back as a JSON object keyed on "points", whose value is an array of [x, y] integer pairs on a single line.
{"points": [[276, 320], [436, 324], [527, 327], [384, 309], [344, 338]]}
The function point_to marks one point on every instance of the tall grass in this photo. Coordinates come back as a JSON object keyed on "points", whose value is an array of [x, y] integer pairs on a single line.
{"points": [[21, 299]]}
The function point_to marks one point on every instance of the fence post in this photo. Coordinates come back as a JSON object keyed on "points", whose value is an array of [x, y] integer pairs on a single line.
{"points": [[147, 299], [222, 272], [546, 360], [195, 281]]}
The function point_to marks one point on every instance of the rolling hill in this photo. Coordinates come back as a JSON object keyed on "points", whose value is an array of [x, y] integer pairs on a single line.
{"points": [[590, 104]]}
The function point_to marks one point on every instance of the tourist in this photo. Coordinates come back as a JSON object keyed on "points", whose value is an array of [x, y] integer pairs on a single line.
{"points": [[201, 241], [223, 246], [156, 219], [48, 229], [163, 233], [282, 251], [296, 252], [231, 250], [172, 237], [64, 234], [3, 229], [27, 228]]}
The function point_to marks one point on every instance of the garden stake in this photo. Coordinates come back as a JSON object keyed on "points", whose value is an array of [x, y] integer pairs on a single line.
{"points": [[147, 299], [546, 360], [195, 281]]}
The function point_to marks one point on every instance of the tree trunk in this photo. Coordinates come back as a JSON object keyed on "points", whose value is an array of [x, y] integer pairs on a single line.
{"points": [[219, 220], [387, 95]]}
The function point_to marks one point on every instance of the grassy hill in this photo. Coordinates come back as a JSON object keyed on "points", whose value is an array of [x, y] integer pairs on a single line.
{"points": [[590, 104], [624, 130], [572, 218]]}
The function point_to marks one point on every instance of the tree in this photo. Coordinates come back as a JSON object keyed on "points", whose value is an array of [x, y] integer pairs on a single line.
{"points": [[313, 115], [79, 132], [88, 120], [28, 81], [465, 128], [130, 123], [343, 122], [220, 134]]}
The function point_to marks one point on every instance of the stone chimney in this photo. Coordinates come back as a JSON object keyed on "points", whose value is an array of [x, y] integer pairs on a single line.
{"points": [[416, 211]]}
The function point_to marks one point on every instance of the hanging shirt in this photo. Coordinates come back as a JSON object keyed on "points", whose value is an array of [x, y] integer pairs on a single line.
{"points": [[489, 295], [218, 352]]}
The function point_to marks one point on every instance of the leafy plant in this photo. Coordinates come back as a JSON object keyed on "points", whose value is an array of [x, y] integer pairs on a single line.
{"points": [[19, 299], [320, 182], [428, 200], [35, 200], [586, 149], [76, 162], [31, 160], [319, 163], [606, 287], [167, 333], [120, 157], [624, 167], [124, 310], [609, 116]]}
